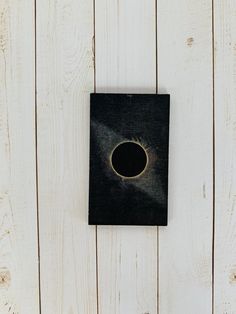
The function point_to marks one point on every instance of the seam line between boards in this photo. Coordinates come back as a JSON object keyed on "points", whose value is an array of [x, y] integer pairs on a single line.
{"points": [[36, 154]]}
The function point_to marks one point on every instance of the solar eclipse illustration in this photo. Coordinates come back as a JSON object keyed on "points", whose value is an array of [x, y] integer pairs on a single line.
{"points": [[128, 178]]}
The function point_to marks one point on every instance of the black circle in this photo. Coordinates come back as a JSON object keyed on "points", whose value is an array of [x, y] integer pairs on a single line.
{"points": [[129, 159]]}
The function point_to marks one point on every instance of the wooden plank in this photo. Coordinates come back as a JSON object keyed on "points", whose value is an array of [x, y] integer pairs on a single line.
{"points": [[65, 79], [19, 291], [225, 137], [184, 32], [126, 62]]}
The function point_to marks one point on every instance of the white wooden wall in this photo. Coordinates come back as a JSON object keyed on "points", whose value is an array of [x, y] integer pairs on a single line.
{"points": [[52, 55]]}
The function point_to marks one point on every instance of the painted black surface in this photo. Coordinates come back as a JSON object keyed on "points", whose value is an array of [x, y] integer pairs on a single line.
{"points": [[117, 199]]}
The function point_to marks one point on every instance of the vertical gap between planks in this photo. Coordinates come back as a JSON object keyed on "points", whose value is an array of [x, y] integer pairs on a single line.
{"points": [[94, 87], [36, 150], [94, 48], [213, 152], [156, 47], [158, 246], [96, 239]]}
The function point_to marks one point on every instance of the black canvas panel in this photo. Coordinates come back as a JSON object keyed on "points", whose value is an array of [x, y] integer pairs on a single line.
{"points": [[129, 136]]}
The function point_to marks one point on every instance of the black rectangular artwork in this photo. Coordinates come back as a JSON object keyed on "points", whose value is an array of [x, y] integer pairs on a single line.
{"points": [[129, 136]]}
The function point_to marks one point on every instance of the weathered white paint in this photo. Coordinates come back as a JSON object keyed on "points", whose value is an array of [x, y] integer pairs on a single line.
{"points": [[65, 79], [184, 33], [225, 173], [122, 270], [125, 36], [18, 211]]}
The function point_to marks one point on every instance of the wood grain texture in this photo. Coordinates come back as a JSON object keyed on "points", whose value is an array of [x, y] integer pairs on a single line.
{"points": [[65, 79], [225, 138], [126, 62], [19, 292], [130, 264], [184, 32]]}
